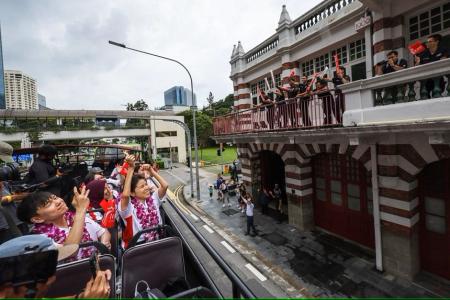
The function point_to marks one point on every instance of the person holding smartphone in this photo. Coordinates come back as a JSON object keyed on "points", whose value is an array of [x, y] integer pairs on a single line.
{"points": [[28, 266]]}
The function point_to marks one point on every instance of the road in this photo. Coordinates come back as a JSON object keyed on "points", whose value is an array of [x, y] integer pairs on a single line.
{"points": [[256, 274]]}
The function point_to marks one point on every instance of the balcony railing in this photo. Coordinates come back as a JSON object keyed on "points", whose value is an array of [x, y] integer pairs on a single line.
{"points": [[263, 49], [323, 109], [414, 94]]}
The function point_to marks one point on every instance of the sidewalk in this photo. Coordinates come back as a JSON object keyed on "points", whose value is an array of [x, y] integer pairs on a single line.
{"points": [[318, 264]]}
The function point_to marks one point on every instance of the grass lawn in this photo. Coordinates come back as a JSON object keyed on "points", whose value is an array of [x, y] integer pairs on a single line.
{"points": [[210, 155]]}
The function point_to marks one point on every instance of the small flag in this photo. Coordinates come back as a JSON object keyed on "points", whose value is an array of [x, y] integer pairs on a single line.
{"points": [[267, 84], [273, 78], [292, 73], [336, 61]]}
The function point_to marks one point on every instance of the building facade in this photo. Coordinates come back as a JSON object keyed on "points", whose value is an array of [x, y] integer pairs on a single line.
{"points": [[2, 76], [42, 101], [179, 96], [20, 91], [370, 162]]}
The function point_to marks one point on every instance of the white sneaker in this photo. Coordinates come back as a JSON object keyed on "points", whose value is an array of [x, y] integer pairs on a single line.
{"points": [[223, 205], [229, 205]]}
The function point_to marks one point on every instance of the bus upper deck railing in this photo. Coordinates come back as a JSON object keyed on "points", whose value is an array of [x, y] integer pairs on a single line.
{"points": [[319, 109]]}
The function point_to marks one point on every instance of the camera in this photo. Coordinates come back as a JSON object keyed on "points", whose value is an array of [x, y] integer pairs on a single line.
{"points": [[9, 172], [28, 268]]}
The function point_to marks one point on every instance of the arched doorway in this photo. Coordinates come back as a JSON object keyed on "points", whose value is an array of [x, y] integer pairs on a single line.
{"points": [[343, 198], [272, 172], [434, 191]]}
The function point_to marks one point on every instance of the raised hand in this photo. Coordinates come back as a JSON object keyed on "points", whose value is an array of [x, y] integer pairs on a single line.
{"points": [[80, 199], [130, 159]]}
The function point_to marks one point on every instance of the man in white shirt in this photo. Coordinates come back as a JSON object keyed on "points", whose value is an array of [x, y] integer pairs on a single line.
{"points": [[249, 212]]}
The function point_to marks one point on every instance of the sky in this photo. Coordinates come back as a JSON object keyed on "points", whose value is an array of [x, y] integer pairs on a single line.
{"points": [[63, 44]]}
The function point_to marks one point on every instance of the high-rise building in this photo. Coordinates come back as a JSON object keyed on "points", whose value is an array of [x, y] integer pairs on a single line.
{"points": [[179, 96], [20, 90], [42, 101], [2, 76]]}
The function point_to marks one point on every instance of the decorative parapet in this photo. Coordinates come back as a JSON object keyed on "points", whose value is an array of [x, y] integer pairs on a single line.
{"points": [[264, 48], [320, 12]]}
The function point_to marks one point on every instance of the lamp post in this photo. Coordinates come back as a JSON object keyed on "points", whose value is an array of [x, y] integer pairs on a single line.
{"points": [[193, 108]]}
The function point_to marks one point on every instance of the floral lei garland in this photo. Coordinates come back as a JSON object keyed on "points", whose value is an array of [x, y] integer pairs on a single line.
{"points": [[59, 236], [148, 217]]}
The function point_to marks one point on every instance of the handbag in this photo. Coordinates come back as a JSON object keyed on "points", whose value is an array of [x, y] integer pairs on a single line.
{"points": [[147, 293]]}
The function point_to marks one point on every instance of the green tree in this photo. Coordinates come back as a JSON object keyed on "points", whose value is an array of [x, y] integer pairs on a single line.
{"points": [[139, 105], [204, 127], [221, 107]]}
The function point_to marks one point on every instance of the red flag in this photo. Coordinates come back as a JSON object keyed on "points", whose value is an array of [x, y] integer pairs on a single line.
{"points": [[292, 73], [336, 61], [416, 48]]}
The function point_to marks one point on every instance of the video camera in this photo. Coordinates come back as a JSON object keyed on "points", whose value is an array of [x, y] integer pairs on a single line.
{"points": [[29, 268], [9, 172]]}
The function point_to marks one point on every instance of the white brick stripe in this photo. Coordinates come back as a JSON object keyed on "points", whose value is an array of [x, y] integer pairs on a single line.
{"points": [[292, 169], [299, 182], [404, 205], [305, 170], [243, 91], [245, 178], [279, 148], [397, 183], [343, 148], [398, 160], [400, 220], [316, 148], [425, 151], [253, 148], [299, 192], [305, 150], [359, 151]]}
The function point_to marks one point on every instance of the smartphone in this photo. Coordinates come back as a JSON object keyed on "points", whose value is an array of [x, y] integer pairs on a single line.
{"points": [[94, 265]]}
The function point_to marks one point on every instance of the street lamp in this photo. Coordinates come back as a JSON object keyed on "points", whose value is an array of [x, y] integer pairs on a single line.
{"points": [[192, 108]]}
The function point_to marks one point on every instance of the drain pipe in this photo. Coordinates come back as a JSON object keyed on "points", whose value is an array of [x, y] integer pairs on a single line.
{"points": [[376, 208]]}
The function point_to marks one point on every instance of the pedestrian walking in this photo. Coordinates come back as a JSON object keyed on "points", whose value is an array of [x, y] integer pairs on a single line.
{"points": [[249, 212], [210, 189], [277, 196]]}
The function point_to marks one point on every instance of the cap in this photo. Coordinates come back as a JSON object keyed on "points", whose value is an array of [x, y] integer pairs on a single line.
{"points": [[6, 151], [34, 243], [95, 170]]}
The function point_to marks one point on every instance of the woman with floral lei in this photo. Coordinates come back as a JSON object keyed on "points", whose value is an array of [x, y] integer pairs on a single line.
{"points": [[137, 208], [50, 216]]}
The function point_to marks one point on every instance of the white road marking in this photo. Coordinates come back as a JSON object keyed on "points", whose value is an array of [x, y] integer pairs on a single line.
{"points": [[180, 179], [208, 229], [256, 272], [194, 217], [229, 248]]}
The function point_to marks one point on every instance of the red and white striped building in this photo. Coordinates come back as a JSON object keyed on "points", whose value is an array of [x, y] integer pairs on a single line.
{"points": [[380, 177]]}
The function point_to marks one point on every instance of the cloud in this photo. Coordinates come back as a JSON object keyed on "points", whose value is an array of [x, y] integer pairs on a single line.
{"points": [[63, 45]]}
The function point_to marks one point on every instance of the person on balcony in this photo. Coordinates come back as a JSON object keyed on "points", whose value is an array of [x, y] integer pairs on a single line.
{"points": [[328, 102], [434, 52], [393, 63], [340, 77], [298, 90], [266, 111]]}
